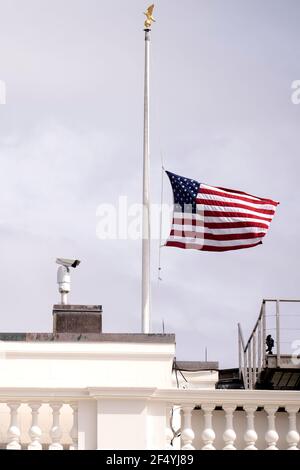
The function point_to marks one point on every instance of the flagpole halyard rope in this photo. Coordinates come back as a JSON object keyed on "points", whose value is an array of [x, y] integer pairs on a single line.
{"points": [[161, 218]]}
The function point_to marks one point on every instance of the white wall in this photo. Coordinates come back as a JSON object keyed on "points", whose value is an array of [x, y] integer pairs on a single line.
{"points": [[101, 376], [123, 391], [86, 364]]}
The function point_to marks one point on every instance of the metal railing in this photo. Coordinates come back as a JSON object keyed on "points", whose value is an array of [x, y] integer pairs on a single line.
{"points": [[253, 355]]}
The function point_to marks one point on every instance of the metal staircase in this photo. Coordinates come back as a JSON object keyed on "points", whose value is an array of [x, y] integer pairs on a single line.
{"points": [[272, 371]]}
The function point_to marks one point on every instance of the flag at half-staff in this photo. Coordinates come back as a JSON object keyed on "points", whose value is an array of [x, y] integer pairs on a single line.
{"points": [[212, 218]]}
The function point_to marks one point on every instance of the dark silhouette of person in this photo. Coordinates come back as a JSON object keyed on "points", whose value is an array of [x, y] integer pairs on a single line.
{"points": [[270, 344]]}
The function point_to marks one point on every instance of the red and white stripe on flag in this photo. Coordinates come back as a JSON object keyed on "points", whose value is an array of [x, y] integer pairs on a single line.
{"points": [[215, 218]]}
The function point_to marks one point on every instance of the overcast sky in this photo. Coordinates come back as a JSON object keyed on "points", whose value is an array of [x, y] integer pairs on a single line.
{"points": [[71, 139]]}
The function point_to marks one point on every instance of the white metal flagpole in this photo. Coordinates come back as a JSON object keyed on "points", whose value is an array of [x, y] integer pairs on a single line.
{"points": [[146, 186]]}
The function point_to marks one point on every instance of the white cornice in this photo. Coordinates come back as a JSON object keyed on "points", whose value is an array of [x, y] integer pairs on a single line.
{"points": [[106, 350], [236, 397], [257, 398]]}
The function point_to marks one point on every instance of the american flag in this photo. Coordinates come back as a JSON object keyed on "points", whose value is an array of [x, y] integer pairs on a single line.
{"points": [[212, 218]]}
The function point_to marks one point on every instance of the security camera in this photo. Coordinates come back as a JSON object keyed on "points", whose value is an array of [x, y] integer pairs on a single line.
{"points": [[68, 263], [64, 277]]}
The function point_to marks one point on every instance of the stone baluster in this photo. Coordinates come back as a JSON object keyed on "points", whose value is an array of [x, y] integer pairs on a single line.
{"points": [[55, 431], [208, 434], [14, 433], [169, 433], [187, 434], [250, 436], [292, 436], [74, 429], [271, 436], [229, 435], [35, 432]]}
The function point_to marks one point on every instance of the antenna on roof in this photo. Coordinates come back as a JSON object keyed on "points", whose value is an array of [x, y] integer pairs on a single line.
{"points": [[205, 353], [64, 277]]}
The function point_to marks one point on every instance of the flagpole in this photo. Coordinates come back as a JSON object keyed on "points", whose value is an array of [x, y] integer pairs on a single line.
{"points": [[146, 198], [146, 186]]}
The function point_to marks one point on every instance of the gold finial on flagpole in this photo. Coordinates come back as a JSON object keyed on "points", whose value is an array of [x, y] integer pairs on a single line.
{"points": [[149, 19]]}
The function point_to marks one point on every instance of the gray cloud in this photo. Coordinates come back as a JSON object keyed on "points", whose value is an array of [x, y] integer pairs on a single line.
{"points": [[71, 138]]}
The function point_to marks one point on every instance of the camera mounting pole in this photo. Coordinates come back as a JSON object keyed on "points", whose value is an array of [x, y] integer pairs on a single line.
{"points": [[64, 283], [64, 277]]}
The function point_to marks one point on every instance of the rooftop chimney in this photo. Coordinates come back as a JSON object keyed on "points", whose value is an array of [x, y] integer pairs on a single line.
{"points": [[77, 319]]}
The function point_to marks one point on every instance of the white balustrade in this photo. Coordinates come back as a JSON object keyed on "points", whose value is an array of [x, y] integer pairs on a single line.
{"points": [[14, 433], [169, 433], [55, 431], [208, 434], [74, 429], [229, 435], [250, 436], [271, 436], [35, 431], [187, 434], [221, 430], [292, 437]]}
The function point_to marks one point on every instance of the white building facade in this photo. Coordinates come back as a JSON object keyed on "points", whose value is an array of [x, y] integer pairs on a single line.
{"points": [[120, 392]]}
